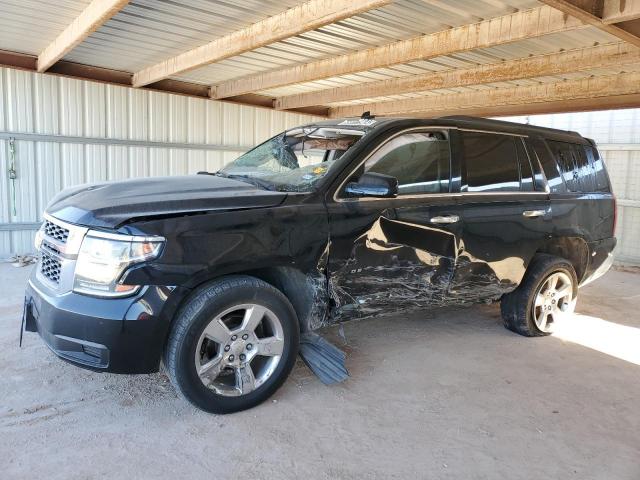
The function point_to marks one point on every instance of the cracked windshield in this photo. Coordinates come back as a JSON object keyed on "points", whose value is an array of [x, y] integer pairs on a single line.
{"points": [[293, 161]]}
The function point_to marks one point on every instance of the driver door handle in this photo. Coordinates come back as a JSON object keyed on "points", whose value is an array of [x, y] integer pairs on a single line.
{"points": [[445, 219], [534, 213]]}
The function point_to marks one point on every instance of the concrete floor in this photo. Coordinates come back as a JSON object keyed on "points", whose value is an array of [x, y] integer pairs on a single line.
{"points": [[447, 394]]}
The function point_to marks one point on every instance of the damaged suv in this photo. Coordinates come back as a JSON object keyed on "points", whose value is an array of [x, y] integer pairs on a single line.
{"points": [[217, 275]]}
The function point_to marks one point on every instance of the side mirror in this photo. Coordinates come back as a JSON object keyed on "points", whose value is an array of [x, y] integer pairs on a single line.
{"points": [[373, 185]]}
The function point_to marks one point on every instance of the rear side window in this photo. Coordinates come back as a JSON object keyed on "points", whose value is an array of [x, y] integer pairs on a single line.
{"points": [[597, 166], [491, 162], [420, 161], [574, 166]]}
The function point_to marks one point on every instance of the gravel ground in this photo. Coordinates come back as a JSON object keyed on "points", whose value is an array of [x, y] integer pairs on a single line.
{"points": [[445, 394]]}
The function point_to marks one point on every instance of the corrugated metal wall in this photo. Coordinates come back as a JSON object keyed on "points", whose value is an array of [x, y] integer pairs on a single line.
{"points": [[617, 133], [145, 132]]}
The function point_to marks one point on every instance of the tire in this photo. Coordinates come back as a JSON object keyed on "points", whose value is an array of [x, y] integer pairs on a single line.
{"points": [[521, 307], [233, 302]]}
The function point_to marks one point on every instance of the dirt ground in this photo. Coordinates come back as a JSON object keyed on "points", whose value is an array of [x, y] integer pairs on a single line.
{"points": [[446, 394]]}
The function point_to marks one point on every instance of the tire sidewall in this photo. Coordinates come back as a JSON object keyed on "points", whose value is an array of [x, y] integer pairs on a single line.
{"points": [[185, 374]]}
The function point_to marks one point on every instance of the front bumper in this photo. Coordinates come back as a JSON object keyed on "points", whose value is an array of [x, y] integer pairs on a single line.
{"points": [[124, 335]]}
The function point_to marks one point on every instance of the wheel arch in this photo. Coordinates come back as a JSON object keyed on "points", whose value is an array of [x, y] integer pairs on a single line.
{"points": [[307, 293], [573, 249]]}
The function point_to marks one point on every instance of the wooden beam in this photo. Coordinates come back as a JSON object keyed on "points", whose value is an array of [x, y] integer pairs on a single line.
{"points": [[254, 99], [612, 102], [590, 11], [91, 18], [299, 19], [595, 90], [20, 61], [616, 11], [613, 55], [489, 33]]}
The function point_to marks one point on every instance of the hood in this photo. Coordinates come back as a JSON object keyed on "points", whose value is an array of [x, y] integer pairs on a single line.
{"points": [[111, 204]]}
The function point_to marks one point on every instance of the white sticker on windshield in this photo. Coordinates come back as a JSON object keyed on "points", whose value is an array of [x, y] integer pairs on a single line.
{"points": [[360, 121]]}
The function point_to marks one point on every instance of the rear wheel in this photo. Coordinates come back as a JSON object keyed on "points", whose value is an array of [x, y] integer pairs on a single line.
{"points": [[548, 293], [232, 345]]}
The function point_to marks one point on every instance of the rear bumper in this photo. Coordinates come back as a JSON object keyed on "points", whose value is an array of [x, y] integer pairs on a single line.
{"points": [[600, 259], [113, 335]]}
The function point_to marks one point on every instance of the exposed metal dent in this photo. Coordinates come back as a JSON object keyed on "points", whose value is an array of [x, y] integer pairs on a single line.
{"points": [[384, 273], [476, 281]]}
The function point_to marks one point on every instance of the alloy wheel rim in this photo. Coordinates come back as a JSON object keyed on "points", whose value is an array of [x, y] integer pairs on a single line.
{"points": [[552, 300], [239, 350]]}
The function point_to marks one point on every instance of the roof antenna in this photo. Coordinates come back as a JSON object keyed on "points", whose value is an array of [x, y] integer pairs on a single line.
{"points": [[367, 116]]}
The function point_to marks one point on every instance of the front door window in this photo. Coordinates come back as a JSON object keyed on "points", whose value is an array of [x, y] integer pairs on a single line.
{"points": [[421, 162]]}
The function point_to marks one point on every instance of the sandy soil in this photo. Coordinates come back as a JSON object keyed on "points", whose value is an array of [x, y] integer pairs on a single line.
{"points": [[441, 395]]}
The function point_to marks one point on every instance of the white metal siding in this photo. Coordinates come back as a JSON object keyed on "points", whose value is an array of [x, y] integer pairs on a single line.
{"points": [[45, 104], [617, 133]]}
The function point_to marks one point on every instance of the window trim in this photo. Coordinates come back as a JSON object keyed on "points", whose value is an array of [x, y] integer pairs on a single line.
{"points": [[338, 199], [532, 153], [524, 163]]}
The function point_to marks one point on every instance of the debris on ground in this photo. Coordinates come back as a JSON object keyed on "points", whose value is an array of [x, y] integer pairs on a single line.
{"points": [[323, 358], [21, 260]]}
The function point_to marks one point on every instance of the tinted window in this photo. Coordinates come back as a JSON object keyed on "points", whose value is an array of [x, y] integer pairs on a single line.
{"points": [[543, 154], [420, 162], [491, 162], [597, 166], [574, 166], [586, 177]]}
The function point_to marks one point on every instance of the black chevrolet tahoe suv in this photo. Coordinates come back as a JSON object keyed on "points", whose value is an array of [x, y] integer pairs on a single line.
{"points": [[217, 275]]}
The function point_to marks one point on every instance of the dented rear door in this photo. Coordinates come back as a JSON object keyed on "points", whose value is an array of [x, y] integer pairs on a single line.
{"points": [[505, 215]]}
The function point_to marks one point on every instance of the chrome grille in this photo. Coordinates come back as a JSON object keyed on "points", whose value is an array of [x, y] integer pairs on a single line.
{"points": [[56, 232], [50, 248], [50, 267], [59, 245]]}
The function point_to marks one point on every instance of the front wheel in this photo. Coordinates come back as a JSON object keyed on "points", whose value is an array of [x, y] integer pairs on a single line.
{"points": [[548, 293], [232, 345]]}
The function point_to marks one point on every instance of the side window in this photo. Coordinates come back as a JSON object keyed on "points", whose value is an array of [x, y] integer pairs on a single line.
{"points": [[556, 185], [491, 162], [586, 177], [597, 166], [574, 166], [420, 161]]}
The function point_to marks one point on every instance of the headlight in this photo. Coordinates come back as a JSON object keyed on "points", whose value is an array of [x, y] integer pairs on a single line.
{"points": [[103, 258]]}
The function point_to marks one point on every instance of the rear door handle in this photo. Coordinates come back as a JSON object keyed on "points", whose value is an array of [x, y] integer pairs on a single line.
{"points": [[534, 213], [445, 219]]}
